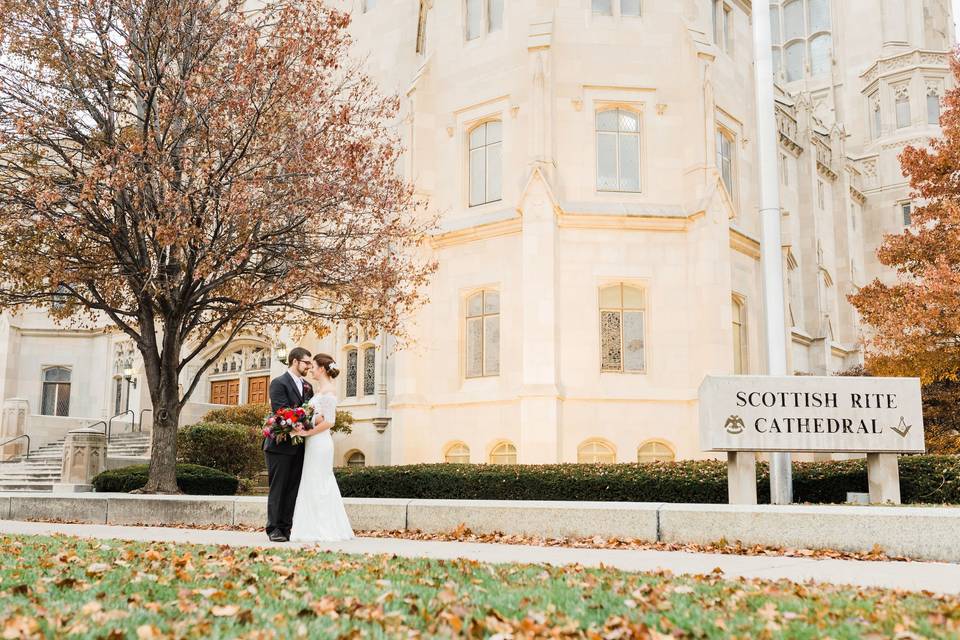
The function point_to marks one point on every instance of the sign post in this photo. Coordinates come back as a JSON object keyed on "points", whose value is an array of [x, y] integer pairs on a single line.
{"points": [[742, 415]]}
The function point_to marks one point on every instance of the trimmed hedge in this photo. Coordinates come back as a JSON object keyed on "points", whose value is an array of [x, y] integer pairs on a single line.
{"points": [[251, 415], [232, 448], [923, 479], [254, 415], [191, 478]]}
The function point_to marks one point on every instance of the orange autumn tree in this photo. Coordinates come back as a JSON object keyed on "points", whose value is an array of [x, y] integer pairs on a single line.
{"points": [[190, 169], [915, 321]]}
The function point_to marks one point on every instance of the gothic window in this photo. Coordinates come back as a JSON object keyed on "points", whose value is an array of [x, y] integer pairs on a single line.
{"points": [[820, 48], [902, 105], [603, 7], [422, 28], [369, 5], [504, 453], [457, 453], [655, 451], [352, 365], [596, 452], [739, 337], [793, 20], [483, 334], [117, 395], [795, 61], [630, 7], [804, 27], [819, 11], [483, 16], [622, 319], [906, 213], [56, 392], [875, 118], [618, 150], [725, 162], [727, 29], [933, 105], [356, 459], [486, 157], [369, 370]]}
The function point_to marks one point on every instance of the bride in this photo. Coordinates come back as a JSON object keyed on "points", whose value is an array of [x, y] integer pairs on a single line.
{"points": [[319, 515]]}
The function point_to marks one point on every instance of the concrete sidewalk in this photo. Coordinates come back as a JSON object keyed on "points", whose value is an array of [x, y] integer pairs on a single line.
{"points": [[913, 576]]}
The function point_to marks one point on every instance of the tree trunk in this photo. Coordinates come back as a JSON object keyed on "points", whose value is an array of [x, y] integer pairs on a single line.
{"points": [[166, 417]]}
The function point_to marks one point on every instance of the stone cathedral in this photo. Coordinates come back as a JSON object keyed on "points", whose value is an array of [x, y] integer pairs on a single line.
{"points": [[594, 167]]}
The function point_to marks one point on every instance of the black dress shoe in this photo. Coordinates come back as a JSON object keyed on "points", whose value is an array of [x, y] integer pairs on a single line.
{"points": [[277, 536]]}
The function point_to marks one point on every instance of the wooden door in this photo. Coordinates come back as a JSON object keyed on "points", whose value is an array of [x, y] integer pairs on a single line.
{"points": [[257, 389], [225, 392]]}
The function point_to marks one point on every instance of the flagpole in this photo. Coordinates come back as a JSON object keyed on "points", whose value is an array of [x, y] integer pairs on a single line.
{"points": [[771, 261]]}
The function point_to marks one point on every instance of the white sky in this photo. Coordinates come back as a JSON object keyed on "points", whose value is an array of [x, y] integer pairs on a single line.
{"points": [[956, 17]]}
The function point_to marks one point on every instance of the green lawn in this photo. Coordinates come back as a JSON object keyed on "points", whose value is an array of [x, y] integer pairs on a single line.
{"points": [[61, 586]]}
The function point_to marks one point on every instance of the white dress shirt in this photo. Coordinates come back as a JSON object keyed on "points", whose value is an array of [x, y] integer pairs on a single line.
{"points": [[297, 380]]}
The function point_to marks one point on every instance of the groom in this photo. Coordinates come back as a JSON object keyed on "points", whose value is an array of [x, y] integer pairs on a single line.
{"points": [[284, 459]]}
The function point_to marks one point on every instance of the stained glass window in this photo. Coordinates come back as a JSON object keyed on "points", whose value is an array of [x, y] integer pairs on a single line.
{"points": [[483, 334], [369, 371], [351, 391], [618, 150], [55, 400], [622, 331]]}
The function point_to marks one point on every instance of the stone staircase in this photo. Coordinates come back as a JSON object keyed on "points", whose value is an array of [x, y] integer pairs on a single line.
{"points": [[42, 469]]}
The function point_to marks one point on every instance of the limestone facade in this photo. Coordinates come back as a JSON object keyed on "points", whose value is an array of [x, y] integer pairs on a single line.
{"points": [[593, 166]]}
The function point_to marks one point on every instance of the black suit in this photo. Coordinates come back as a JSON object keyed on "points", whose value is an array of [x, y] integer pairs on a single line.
{"points": [[284, 459]]}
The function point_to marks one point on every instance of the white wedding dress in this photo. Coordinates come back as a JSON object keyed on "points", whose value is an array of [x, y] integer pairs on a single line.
{"points": [[319, 515]]}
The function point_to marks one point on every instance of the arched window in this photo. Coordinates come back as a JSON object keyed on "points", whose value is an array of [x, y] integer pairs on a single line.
{"points": [[352, 373], [655, 451], [618, 150], [369, 370], [596, 452], [483, 334], [793, 25], [739, 337], [486, 159], [795, 60], [457, 453], [726, 160], [356, 459], [875, 117], [902, 105], [504, 453], [622, 320], [933, 105], [820, 54], [819, 15], [56, 392]]}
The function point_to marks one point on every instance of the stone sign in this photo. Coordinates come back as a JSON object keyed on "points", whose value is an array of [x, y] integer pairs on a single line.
{"points": [[881, 417], [806, 413]]}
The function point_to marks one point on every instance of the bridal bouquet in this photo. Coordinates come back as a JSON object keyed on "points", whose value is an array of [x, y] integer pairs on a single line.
{"points": [[281, 425]]}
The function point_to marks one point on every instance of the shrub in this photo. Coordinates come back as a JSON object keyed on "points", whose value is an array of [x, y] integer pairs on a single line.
{"points": [[924, 479], [232, 448], [251, 415], [191, 478]]}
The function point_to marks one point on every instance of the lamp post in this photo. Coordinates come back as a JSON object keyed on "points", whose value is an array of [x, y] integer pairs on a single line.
{"points": [[131, 382], [281, 351], [771, 259]]}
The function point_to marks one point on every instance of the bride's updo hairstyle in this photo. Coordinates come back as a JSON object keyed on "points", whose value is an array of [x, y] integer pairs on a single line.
{"points": [[327, 363]]}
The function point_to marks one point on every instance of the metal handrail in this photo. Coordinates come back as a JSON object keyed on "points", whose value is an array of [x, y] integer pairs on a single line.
{"points": [[140, 426], [133, 419], [26, 456], [91, 426]]}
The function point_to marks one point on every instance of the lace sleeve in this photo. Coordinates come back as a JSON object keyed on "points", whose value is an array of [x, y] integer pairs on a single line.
{"points": [[327, 407]]}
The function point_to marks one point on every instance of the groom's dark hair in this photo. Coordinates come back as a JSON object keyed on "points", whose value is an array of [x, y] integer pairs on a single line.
{"points": [[297, 353]]}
